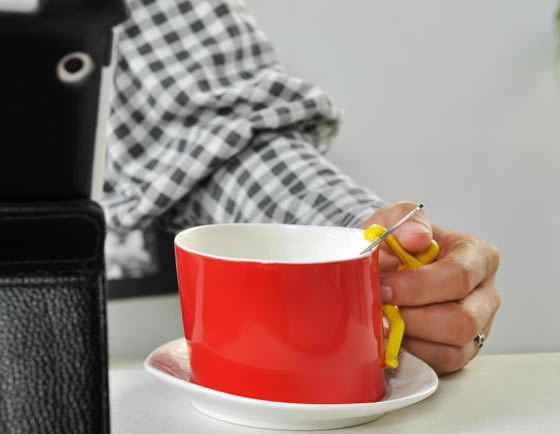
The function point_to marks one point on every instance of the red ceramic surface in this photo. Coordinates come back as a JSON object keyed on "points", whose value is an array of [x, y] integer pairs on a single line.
{"points": [[303, 333]]}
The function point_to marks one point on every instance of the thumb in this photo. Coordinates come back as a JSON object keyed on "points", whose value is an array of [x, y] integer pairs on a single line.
{"points": [[415, 235]]}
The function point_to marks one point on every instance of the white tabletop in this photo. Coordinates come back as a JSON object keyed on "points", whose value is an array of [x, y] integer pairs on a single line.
{"points": [[517, 393]]}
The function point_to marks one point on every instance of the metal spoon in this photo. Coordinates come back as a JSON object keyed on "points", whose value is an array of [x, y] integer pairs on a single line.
{"points": [[392, 229]]}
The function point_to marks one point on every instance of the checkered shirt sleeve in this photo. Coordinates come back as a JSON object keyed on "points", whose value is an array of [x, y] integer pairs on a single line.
{"points": [[207, 127]]}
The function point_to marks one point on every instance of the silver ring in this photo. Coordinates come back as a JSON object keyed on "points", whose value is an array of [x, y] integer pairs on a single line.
{"points": [[479, 340]]}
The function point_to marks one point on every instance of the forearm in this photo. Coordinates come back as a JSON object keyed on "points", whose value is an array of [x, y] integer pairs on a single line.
{"points": [[196, 83], [279, 178]]}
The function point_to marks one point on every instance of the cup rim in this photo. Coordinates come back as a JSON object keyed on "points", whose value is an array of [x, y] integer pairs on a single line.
{"points": [[269, 261]]}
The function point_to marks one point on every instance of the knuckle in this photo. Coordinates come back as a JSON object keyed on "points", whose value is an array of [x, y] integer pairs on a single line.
{"points": [[494, 254], [466, 326], [491, 252], [452, 359], [497, 300], [464, 279]]}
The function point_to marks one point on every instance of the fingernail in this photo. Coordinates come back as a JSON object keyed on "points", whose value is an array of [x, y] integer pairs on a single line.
{"points": [[386, 293]]}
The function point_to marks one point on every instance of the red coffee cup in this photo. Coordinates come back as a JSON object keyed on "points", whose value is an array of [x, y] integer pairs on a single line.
{"points": [[282, 312]]}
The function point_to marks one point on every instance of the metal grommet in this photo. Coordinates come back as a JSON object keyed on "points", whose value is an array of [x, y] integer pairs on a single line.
{"points": [[74, 68]]}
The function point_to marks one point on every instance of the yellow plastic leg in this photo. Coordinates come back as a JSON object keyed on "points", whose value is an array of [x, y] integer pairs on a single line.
{"points": [[396, 334]]}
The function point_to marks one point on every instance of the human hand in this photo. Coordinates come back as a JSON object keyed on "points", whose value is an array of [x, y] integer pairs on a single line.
{"points": [[446, 304]]}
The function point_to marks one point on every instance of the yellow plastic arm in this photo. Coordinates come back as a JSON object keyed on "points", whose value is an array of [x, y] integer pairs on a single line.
{"points": [[408, 261]]}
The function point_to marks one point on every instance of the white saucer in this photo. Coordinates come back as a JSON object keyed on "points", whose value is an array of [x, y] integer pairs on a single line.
{"points": [[412, 382]]}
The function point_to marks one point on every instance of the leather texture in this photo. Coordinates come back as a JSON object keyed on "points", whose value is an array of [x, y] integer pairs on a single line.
{"points": [[53, 341]]}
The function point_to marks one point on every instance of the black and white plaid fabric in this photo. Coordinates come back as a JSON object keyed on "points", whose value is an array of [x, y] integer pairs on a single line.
{"points": [[206, 127]]}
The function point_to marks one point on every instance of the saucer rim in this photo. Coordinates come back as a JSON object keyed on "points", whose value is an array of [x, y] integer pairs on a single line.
{"points": [[392, 404]]}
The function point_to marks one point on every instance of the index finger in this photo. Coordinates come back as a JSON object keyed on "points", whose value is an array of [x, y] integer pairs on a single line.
{"points": [[465, 261]]}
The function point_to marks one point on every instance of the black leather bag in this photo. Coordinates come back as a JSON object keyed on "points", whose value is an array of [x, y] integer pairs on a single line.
{"points": [[53, 342], [53, 349], [49, 121]]}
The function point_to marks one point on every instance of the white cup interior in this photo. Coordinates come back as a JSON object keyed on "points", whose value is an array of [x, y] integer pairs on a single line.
{"points": [[274, 242]]}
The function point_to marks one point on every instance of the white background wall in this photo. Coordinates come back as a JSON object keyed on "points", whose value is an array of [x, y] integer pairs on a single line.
{"points": [[453, 103]]}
